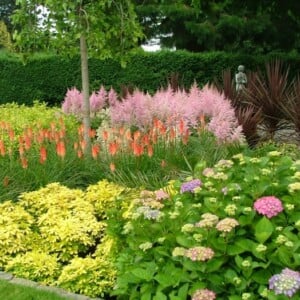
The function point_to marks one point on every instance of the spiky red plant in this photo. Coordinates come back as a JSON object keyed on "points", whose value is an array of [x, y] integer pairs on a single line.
{"points": [[268, 93], [292, 109], [249, 117]]}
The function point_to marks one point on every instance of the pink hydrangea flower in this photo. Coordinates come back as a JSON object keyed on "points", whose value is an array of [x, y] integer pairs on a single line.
{"points": [[161, 195], [268, 206], [227, 224], [204, 294], [199, 253]]}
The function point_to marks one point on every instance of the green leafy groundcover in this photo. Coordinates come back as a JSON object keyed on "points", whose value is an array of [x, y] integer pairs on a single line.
{"points": [[228, 232]]}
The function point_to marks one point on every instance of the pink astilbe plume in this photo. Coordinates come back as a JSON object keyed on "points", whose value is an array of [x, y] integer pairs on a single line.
{"points": [[223, 122], [72, 103], [112, 97], [98, 100], [139, 109]]}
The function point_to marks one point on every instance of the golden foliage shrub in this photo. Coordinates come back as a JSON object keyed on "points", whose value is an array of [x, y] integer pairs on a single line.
{"points": [[15, 230], [57, 235], [35, 265], [88, 276]]}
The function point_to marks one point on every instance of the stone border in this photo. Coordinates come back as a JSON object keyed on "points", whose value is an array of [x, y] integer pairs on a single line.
{"points": [[61, 292]]}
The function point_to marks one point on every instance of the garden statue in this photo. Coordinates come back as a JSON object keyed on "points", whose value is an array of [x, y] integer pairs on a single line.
{"points": [[240, 79]]}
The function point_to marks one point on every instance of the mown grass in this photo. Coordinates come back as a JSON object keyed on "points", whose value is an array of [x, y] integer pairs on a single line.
{"points": [[10, 291]]}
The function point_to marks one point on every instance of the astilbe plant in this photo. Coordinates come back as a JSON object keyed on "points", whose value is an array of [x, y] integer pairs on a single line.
{"points": [[151, 134], [139, 109], [73, 101]]}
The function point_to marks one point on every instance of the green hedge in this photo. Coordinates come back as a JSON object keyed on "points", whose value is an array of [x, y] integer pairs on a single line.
{"points": [[47, 78]]}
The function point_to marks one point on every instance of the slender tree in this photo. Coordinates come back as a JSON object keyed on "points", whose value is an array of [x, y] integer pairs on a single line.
{"points": [[99, 28], [5, 39]]}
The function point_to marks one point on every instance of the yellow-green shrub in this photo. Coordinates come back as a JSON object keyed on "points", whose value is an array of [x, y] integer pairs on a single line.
{"points": [[35, 265], [15, 230], [53, 195], [108, 247], [88, 276], [105, 194], [66, 222], [38, 115], [57, 235]]}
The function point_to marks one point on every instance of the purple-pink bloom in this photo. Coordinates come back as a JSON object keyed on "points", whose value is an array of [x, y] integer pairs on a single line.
{"points": [[190, 186], [287, 282], [268, 206]]}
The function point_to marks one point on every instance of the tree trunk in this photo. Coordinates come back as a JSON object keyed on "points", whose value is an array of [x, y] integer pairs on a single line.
{"points": [[86, 95]]}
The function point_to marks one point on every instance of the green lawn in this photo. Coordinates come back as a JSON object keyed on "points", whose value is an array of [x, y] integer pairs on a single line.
{"points": [[9, 291]]}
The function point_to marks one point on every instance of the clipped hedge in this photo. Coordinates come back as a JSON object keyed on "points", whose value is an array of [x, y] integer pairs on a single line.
{"points": [[47, 77]]}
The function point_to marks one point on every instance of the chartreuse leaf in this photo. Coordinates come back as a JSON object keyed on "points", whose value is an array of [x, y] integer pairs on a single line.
{"points": [[174, 297], [182, 292], [146, 291], [263, 230], [160, 296], [146, 296], [234, 297]]}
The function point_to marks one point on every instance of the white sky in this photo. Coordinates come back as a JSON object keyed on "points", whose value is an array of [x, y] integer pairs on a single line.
{"points": [[151, 48]]}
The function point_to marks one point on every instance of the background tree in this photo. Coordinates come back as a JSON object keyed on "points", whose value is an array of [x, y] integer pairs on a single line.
{"points": [[6, 10], [5, 38], [230, 25], [102, 28]]}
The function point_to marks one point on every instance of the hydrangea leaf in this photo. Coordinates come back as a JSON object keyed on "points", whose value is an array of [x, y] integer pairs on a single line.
{"points": [[263, 230]]}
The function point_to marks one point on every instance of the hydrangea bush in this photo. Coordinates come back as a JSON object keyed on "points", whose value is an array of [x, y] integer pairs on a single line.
{"points": [[230, 232]]}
